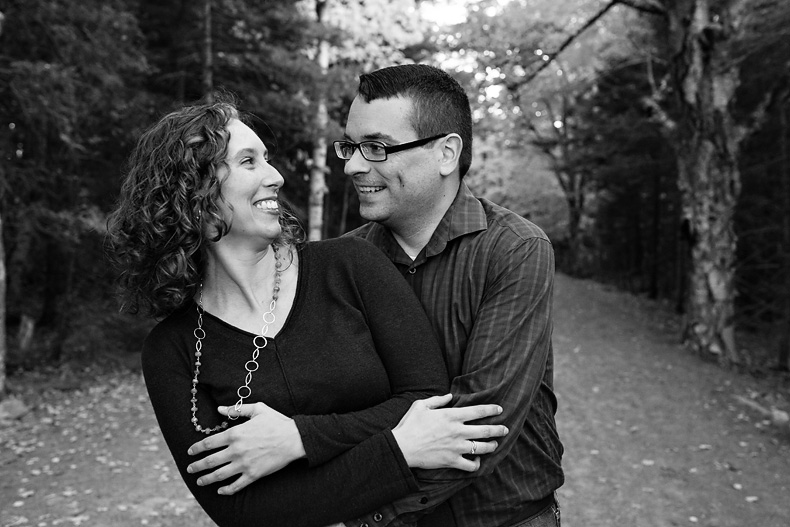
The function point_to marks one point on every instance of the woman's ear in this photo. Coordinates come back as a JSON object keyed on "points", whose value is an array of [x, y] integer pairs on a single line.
{"points": [[451, 154]]}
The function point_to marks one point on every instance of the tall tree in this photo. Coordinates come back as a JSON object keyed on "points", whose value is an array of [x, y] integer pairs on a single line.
{"points": [[3, 340], [62, 134], [208, 53], [702, 39], [3, 281], [783, 361], [318, 168]]}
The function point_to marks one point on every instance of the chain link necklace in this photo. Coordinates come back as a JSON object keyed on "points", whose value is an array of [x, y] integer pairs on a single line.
{"points": [[259, 341]]}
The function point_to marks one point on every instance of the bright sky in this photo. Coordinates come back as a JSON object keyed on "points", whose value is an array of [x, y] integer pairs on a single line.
{"points": [[444, 12]]}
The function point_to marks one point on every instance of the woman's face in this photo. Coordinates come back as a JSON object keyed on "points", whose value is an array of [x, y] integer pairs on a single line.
{"points": [[249, 187]]}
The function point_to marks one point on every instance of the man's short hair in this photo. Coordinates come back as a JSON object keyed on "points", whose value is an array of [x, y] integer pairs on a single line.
{"points": [[440, 103]]}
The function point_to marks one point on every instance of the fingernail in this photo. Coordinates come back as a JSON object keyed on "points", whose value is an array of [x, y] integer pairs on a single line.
{"points": [[190, 452], [222, 408], [506, 430], [500, 409], [200, 481], [189, 469], [221, 492]]}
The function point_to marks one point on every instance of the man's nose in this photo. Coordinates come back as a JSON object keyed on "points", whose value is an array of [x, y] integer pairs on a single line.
{"points": [[357, 164]]}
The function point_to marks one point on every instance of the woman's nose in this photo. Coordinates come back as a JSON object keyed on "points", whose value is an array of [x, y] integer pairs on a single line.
{"points": [[274, 178]]}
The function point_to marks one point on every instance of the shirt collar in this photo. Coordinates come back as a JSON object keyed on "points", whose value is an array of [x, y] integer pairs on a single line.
{"points": [[465, 215]]}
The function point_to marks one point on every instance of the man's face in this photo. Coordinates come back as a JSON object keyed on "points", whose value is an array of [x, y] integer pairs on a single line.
{"points": [[401, 191]]}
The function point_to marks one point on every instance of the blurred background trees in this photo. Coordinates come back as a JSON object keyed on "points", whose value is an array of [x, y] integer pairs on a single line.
{"points": [[652, 149]]}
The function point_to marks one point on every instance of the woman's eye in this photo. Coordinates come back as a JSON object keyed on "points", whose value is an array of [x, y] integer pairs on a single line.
{"points": [[247, 161]]}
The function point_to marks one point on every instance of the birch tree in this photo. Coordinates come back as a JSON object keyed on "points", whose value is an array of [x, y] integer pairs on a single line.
{"points": [[703, 39], [350, 37]]}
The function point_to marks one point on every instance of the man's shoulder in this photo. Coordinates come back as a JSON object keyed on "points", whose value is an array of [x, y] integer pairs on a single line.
{"points": [[503, 222], [362, 231]]}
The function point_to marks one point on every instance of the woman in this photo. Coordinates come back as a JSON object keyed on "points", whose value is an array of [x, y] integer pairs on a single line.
{"points": [[322, 332]]}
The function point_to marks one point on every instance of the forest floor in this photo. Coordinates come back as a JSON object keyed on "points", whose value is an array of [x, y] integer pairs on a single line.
{"points": [[653, 435]]}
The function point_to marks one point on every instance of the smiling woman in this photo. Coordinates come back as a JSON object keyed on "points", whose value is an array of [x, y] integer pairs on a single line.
{"points": [[317, 335]]}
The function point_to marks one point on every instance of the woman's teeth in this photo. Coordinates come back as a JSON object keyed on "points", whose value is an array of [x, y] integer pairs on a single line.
{"points": [[268, 204]]}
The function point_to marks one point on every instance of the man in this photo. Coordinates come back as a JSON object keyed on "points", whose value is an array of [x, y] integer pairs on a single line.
{"points": [[484, 276]]}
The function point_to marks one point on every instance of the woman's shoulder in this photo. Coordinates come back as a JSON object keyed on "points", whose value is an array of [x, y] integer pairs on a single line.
{"points": [[173, 324]]}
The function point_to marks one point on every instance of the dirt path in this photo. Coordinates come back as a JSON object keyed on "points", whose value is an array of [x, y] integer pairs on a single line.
{"points": [[653, 437]]}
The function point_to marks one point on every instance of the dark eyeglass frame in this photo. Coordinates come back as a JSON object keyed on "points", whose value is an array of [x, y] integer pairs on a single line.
{"points": [[339, 145]]}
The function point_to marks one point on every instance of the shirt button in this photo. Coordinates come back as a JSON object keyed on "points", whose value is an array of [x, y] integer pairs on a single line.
{"points": [[423, 500], [412, 270], [377, 517], [363, 524]]}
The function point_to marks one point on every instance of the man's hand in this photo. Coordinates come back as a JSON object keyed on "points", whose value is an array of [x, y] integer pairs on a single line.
{"points": [[263, 445], [434, 437]]}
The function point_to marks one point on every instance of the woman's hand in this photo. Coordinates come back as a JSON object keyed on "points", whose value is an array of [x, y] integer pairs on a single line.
{"points": [[433, 437], [263, 445]]}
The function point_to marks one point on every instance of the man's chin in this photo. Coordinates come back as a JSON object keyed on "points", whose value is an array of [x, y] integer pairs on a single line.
{"points": [[371, 213]]}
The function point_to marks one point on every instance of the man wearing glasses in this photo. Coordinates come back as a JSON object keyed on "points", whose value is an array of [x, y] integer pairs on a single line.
{"points": [[483, 274]]}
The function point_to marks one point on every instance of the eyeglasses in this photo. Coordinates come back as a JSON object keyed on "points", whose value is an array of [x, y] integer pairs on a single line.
{"points": [[376, 150]]}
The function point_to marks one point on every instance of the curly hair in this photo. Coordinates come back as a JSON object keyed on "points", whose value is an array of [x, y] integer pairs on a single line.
{"points": [[169, 199]]}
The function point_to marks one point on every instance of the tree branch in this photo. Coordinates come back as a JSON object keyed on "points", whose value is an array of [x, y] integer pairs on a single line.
{"points": [[757, 117], [651, 9], [513, 86]]}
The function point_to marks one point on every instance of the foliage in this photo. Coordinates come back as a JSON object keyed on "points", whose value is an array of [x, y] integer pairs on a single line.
{"points": [[504, 46], [81, 81], [61, 137]]}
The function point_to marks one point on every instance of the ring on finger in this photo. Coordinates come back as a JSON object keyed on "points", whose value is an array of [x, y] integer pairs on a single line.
{"points": [[474, 449]]}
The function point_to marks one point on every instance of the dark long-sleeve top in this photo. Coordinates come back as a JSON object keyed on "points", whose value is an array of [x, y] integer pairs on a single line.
{"points": [[355, 351], [485, 279]]}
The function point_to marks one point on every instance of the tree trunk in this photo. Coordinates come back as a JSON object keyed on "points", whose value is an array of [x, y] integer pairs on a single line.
{"points": [[707, 143], [208, 54], [574, 242], [318, 170], [3, 339], [3, 281], [344, 206], [655, 237], [783, 356]]}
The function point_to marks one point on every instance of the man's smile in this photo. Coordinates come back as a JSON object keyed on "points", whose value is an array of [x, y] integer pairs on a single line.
{"points": [[367, 189]]}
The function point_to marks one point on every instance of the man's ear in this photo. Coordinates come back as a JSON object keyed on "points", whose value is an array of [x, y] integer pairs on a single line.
{"points": [[451, 154]]}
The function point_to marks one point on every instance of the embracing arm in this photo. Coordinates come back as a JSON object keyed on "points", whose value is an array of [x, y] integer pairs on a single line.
{"points": [[405, 343], [504, 362]]}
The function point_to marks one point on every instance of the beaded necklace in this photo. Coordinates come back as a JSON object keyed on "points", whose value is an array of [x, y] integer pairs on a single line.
{"points": [[259, 341]]}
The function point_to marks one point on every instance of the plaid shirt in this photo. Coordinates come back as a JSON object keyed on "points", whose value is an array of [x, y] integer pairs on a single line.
{"points": [[485, 279]]}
